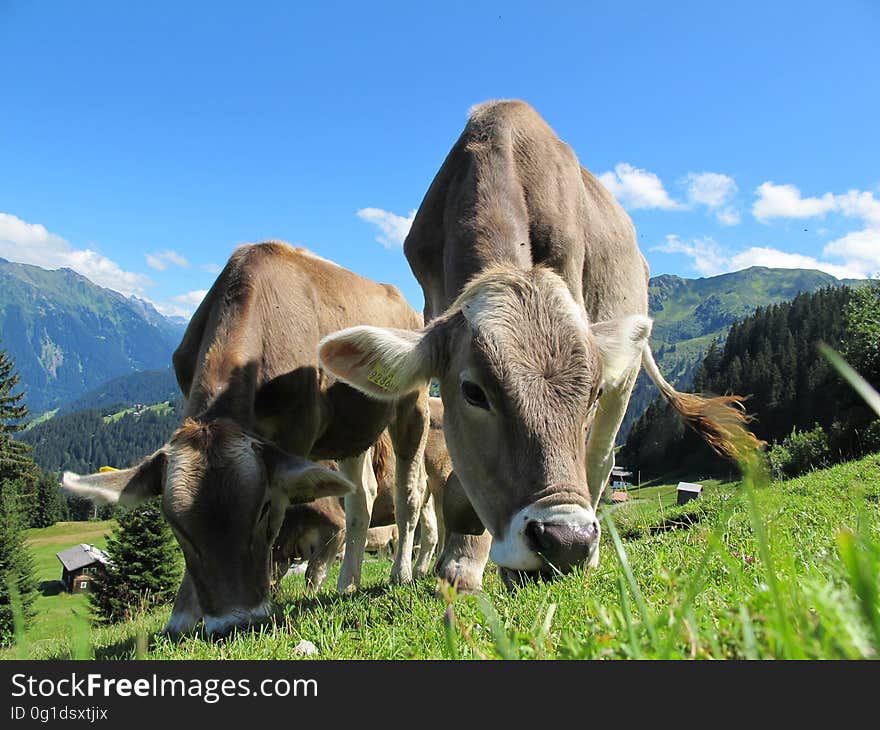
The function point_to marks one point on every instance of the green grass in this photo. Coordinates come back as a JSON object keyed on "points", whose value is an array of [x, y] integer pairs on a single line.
{"points": [[43, 417], [789, 570], [162, 409], [57, 611]]}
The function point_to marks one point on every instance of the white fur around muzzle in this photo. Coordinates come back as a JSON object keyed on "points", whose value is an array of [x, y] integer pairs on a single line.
{"points": [[513, 551]]}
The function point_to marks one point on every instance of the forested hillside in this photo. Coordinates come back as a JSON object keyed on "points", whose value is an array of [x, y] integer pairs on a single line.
{"points": [[146, 387], [771, 356], [87, 440], [689, 314]]}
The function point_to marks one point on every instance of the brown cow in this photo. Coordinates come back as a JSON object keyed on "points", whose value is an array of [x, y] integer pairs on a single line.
{"points": [[536, 303], [315, 532], [258, 409]]}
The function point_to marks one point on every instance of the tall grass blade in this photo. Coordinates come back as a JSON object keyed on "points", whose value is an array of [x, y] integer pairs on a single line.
{"points": [[862, 573], [647, 618], [859, 384], [503, 645]]}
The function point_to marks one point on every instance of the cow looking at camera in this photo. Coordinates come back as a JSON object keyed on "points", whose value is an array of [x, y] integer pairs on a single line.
{"points": [[536, 301]]}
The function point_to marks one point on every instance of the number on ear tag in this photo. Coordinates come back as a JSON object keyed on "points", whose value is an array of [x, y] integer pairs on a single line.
{"points": [[382, 376]]}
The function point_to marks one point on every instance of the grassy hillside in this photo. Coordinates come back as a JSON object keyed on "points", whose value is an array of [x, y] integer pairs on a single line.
{"points": [[59, 612], [786, 570]]}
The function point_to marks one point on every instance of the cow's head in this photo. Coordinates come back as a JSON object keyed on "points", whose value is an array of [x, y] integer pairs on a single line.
{"points": [[521, 371], [224, 493]]}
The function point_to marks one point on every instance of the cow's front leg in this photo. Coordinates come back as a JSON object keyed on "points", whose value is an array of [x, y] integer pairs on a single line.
{"points": [[330, 545], [358, 510], [409, 434], [600, 445], [463, 560], [186, 613], [429, 538]]}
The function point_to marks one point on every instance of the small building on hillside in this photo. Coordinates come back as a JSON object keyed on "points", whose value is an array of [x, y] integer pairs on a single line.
{"points": [[83, 564], [688, 491]]}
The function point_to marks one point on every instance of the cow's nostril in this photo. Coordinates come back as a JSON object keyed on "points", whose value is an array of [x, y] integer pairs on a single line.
{"points": [[563, 545]]}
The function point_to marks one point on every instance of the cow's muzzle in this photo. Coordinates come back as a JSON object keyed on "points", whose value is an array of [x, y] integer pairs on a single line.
{"points": [[237, 619], [563, 545]]}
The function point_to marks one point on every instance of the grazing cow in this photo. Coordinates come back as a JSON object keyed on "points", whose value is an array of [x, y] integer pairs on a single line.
{"points": [[315, 532], [536, 300], [258, 409]]}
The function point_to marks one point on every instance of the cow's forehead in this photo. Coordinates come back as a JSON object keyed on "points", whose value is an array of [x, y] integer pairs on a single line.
{"points": [[226, 468], [526, 325]]}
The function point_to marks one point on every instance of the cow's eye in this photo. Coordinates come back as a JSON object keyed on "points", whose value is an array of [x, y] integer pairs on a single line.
{"points": [[474, 395]]}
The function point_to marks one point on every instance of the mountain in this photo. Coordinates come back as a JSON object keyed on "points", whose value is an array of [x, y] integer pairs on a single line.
{"points": [[68, 335], [689, 313]]}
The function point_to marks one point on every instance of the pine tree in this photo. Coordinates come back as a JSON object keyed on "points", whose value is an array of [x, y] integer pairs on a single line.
{"points": [[18, 475], [16, 466], [862, 339], [51, 506], [18, 586], [145, 569]]}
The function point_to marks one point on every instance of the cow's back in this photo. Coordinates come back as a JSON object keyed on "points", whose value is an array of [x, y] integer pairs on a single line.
{"points": [[250, 351], [510, 191]]}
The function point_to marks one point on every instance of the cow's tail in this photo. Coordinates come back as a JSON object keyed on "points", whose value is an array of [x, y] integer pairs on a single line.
{"points": [[721, 420]]}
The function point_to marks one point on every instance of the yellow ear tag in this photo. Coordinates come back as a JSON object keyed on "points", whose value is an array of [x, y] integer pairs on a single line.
{"points": [[108, 468], [382, 376]]}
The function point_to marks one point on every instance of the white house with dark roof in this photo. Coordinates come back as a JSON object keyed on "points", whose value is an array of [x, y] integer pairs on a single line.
{"points": [[83, 564]]}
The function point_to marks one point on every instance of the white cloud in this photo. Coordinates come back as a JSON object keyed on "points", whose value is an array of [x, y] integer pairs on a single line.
{"points": [[716, 191], [728, 216], [859, 250], [31, 243], [785, 201], [191, 297], [706, 253], [392, 226], [210, 268], [182, 305], [712, 189], [637, 189], [774, 258], [710, 259], [160, 261]]}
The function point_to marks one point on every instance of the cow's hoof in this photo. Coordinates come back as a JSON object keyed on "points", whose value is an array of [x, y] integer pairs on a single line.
{"points": [[463, 578], [401, 579]]}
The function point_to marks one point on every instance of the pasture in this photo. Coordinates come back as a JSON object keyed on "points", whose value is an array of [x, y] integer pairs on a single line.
{"points": [[788, 570]]}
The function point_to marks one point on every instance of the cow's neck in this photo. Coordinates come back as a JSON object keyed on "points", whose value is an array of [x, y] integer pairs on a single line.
{"points": [[227, 395]]}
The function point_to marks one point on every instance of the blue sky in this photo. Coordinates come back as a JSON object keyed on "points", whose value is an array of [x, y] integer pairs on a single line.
{"points": [[140, 143]]}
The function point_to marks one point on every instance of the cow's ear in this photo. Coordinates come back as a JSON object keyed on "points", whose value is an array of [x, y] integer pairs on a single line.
{"points": [[303, 480], [458, 513], [621, 342], [383, 363], [128, 487]]}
